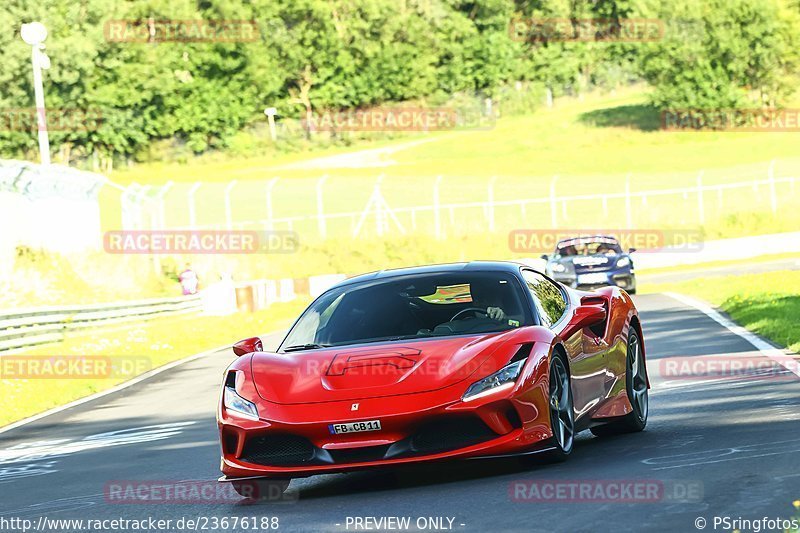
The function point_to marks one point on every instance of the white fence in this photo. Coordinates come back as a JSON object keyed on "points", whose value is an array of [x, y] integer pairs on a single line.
{"points": [[254, 205], [51, 207]]}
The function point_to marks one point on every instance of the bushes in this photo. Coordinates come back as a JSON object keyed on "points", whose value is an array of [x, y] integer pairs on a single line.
{"points": [[726, 54], [344, 54]]}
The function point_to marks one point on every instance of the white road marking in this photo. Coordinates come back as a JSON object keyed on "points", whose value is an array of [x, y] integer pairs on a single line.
{"points": [[10, 473], [24, 452], [33, 451], [57, 505], [121, 386], [749, 451], [767, 350]]}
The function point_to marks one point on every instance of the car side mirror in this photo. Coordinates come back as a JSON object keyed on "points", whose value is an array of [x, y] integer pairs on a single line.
{"points": [[247, 346], [585, 316], [631, 250]]}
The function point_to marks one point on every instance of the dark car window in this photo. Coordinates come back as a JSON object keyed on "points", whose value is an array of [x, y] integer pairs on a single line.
{"points": [[596, 246], [548, 298], [415, 306]]}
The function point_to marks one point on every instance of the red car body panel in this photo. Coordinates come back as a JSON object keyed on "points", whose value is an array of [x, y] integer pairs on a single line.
{"points": [[412, 385]]}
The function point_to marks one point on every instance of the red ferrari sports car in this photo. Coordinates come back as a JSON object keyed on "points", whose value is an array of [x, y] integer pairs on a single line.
{"points": [[468, 360]]}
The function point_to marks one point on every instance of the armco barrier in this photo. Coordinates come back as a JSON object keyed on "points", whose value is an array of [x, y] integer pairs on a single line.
{"points": [[29, 327]]}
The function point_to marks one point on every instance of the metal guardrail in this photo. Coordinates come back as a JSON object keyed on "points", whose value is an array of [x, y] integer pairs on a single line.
{"points": [[39, 325]]}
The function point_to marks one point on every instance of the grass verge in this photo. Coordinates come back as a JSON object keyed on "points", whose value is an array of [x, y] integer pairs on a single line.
{"points": [[133, 350], [602, 145], [767, 303]]}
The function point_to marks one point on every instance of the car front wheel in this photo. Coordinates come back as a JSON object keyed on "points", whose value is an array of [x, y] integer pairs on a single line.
{"points": [[636, 387]]}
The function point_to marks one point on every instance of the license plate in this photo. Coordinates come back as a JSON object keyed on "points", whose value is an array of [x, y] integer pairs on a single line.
{"points": [[354, 427], [588, 279]]}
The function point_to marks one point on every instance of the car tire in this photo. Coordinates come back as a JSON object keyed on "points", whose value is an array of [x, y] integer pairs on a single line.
{"points": [[261, 489], [636, 388], [562, 413]]}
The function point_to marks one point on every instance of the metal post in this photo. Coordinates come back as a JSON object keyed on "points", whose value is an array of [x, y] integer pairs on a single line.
{"points": [[553, 203], [41, 118], [323, 233], [228, 210], [271, 112], [160, 198], [127, 204], [34, 34], [628, 212], [160, 222], [192, 207], [140, 198]]}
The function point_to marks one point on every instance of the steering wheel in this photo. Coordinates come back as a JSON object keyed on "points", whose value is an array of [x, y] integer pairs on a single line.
{"points": [[474, 310]]}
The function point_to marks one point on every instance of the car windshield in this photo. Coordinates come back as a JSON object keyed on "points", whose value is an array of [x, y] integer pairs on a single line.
{"points": [[588, 247], [410, 307]]}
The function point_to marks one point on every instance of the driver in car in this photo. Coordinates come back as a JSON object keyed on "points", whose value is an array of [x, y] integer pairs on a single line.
{"points": [[496, 313], [491, 301]]}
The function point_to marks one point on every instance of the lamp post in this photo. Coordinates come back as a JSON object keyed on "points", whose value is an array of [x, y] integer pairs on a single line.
{"points": [[34, 34]]}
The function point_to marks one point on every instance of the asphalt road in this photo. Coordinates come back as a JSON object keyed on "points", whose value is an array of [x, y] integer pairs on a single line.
{"points": [[731, 443]]}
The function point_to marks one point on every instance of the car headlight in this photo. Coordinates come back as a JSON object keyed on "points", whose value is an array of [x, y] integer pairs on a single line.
{"points": [[503, 378], [236, 404], [623, 262], [559, 267]]}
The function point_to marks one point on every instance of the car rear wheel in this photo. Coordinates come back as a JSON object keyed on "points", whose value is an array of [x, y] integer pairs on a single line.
{"points": [[261, 489], [636, 387], [562, 415]]}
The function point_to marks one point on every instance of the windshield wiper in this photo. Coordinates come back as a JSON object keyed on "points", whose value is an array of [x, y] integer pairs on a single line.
{"points": [[310, 346]]}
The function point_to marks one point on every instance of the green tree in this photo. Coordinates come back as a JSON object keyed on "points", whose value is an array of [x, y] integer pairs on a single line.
{"points": [[723, 54]]}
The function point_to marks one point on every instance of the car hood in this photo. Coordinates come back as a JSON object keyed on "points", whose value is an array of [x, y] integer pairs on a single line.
{"points": [[370, 370]]}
